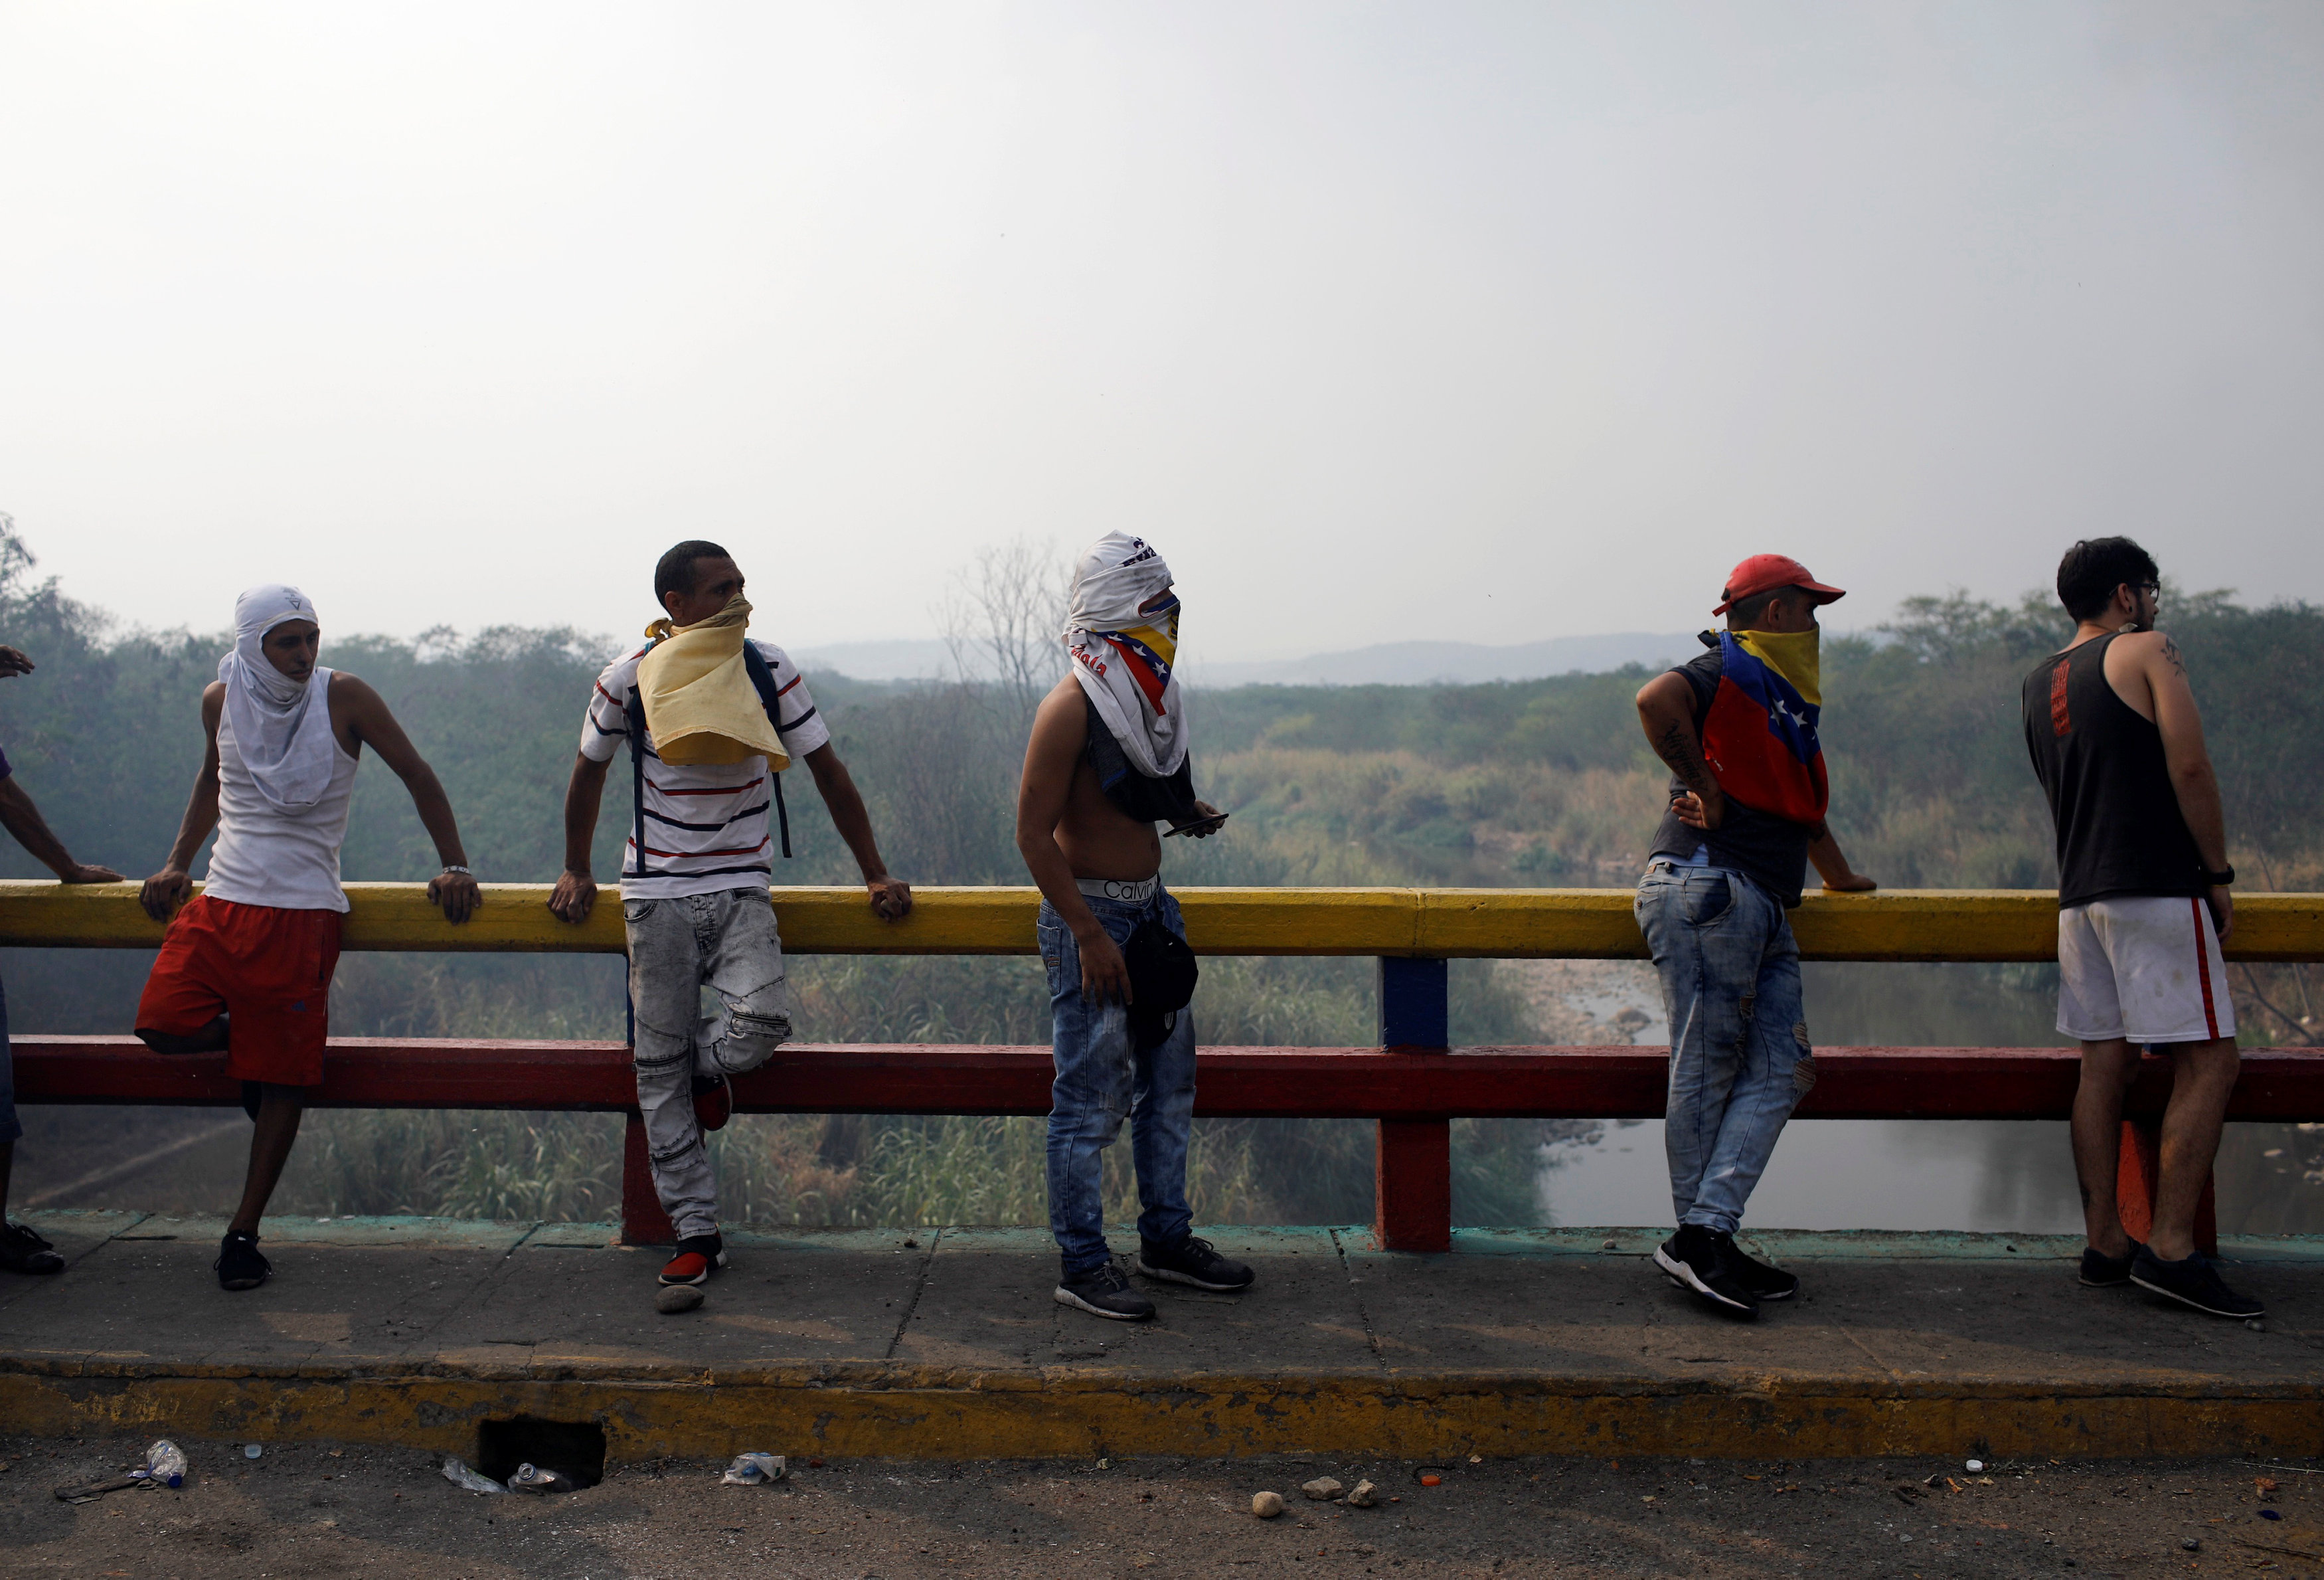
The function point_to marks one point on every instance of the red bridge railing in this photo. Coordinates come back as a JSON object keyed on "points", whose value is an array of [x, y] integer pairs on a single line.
{"points": [[1412, 1083]]}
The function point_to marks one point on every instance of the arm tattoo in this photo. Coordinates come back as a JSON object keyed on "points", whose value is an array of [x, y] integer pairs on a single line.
{"points": [[2170, 656], [1677, 747]]}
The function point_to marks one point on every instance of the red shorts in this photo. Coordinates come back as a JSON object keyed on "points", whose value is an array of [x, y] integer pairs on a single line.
{"points": [[269, 969]]}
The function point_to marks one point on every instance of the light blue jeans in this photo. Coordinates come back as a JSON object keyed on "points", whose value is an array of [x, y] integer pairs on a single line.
{"points": [[725, 941], [1100, 1082], [1741, 1059]]}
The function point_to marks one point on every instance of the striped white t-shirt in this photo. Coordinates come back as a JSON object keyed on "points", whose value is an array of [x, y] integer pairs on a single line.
{"points": [[708, 825]]}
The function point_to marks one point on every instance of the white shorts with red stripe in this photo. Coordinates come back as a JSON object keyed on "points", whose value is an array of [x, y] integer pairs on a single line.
{"points": [[2146, 967]]}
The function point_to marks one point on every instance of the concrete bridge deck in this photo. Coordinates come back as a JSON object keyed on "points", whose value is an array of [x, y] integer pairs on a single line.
{"points": [[945, 1343]]}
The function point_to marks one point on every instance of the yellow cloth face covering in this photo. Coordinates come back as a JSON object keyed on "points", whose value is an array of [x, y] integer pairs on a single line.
{"points": [[1796, 655], [700, 705]]}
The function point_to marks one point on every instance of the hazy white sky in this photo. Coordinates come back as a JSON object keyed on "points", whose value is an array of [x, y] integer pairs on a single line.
{"points": [[1485, 322]]}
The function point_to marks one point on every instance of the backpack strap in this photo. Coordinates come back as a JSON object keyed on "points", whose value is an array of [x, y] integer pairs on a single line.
{"points": [[764, 679], [633, 709]]}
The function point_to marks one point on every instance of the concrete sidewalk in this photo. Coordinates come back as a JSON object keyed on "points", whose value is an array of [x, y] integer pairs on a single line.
{"points": [[946, 1344]]}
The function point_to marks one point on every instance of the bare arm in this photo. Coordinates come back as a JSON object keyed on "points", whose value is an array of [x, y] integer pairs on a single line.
{"points": [[166, 890], [2165, 669], [372, 725], [891, 896], [1666, 712], [23, 819], [1060, 732], [1832, 862], [576, 893]]}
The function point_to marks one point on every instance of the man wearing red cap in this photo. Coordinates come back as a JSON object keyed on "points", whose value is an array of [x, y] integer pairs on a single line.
{"points": [[1738, 727]]}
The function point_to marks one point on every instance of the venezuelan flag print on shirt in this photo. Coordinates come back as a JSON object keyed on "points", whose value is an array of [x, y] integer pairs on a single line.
{"points": [[1760, 736], [1149, 651]]}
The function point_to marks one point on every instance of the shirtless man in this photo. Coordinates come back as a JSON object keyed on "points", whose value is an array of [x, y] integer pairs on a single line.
{"points": [[1108, 760], [2143, 905], [246, 965]]}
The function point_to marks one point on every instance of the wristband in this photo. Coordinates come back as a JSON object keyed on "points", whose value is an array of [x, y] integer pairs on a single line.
{"points": [[454, 867], [2220, 878]]}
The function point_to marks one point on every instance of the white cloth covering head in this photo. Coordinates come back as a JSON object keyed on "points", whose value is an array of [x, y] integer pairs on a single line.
{"points": [[283, 736], [1126, 657]]}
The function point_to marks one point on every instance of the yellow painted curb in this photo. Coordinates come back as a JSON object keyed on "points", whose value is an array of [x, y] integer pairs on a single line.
{"points": [[1064, 1416]]}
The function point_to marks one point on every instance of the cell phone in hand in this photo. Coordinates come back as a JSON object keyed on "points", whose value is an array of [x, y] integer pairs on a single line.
{"points": [[1199, 826]]}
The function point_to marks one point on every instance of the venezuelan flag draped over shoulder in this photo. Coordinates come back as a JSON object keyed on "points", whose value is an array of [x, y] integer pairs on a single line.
{"points": [[1760, 736]]}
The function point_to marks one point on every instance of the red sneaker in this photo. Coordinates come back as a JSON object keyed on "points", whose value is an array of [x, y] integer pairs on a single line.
{"points": [[698, 1256], [714, 1103]]}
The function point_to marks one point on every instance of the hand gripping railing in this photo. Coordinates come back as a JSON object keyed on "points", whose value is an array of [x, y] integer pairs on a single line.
{"points": [[1412, 1083]]}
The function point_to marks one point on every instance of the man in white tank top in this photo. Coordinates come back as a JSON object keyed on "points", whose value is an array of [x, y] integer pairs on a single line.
{"points": [[246, 965]]}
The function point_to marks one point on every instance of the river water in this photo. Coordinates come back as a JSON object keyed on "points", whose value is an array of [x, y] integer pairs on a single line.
{"points": [[2008, 1177]]}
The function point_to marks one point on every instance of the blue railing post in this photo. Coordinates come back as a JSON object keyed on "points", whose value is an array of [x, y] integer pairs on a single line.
{"points": [[1412, 1158]]}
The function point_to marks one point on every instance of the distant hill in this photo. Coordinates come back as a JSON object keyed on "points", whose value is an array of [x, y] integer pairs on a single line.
{"points": [[1411, 663], [1460, 664]]}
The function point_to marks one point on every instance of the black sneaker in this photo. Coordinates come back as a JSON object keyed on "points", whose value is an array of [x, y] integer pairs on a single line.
{"points": [[697, 1257], [239, 1266], [1707, 1263], [2192, 1282], [1192, 1261], [1104, 1291], [2101, 1272], [23, 1252], [1764, 1282]]}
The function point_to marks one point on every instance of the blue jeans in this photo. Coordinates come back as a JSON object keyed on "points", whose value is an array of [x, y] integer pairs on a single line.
{"points": [[1739, 1054], [1100, 1081], [10, 1126]]}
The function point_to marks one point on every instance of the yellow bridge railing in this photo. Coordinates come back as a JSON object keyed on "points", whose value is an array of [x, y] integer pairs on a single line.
{"points": [[1507, 924]]}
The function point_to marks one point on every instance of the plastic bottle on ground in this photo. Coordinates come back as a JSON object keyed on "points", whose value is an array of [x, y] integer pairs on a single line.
{"points": [[165, 1463]]}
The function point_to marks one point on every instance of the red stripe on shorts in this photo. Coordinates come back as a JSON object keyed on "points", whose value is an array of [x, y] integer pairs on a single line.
{"points": [[2203, 970]]}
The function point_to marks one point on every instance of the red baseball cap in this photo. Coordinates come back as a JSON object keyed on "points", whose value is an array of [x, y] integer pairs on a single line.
{"points": [[1763, 573]]}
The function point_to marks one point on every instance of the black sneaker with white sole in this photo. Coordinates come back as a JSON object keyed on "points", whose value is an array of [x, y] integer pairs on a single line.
{"points": [[1764, 1282], [1104, 1291], [1194, 1262], [1706, 1264], [2195, 1282], [239, 1265], [2101, 1272], [23, 1252]]}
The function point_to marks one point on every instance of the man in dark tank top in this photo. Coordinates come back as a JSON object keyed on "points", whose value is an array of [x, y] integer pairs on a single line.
{"points": [[2143, 906]]}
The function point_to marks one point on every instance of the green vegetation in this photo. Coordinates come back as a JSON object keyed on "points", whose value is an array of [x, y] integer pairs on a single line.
{"points": [[1544, 783]]}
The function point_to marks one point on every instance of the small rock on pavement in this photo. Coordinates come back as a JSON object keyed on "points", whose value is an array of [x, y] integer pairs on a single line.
{"points": [[676, 1297], [1364, 1496], [2191, 1544], [1323, 1488], [2255, 1325], [1266, 1505]]}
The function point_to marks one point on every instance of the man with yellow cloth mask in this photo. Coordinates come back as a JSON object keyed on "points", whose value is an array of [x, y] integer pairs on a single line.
{"points": [[711, 717], [1747, 797]]}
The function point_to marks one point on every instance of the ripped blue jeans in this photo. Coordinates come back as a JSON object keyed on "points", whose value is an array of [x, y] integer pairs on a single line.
{"points": [[1741, 1059], [1100, 1081]]}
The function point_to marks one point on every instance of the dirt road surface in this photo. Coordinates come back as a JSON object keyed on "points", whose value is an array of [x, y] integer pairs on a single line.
{"points": [[306, 1509]]}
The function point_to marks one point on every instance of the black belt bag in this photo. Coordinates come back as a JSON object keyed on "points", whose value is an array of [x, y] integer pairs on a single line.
{"points": [[1162, 976]]}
